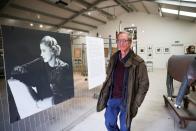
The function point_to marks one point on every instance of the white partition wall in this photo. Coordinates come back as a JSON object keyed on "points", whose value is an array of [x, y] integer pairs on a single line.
{"points": [[96, 61]]}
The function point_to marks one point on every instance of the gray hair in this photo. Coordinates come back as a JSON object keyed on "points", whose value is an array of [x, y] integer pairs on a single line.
{"points": [[125, 32], [51, 43]]}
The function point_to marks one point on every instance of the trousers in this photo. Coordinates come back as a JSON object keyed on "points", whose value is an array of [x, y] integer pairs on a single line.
{"points": [[182, 91], [114, 110]]}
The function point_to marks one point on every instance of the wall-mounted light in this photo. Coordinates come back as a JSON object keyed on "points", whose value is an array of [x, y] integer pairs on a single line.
{"points": [[38, 16], [40, 26], [31, 24]]}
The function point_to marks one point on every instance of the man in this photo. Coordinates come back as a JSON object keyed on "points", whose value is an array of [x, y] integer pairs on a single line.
{"points": [[125, 86]]}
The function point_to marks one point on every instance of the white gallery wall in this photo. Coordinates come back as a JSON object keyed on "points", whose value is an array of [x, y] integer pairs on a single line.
{"points": [[154, 31]]}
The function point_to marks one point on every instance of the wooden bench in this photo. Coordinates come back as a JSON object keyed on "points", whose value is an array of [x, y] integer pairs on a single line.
{"points": [[184, 114]]}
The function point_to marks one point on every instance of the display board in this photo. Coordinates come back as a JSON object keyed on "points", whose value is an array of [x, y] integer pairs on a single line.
{"points": [[96, 61], [38, 67]]}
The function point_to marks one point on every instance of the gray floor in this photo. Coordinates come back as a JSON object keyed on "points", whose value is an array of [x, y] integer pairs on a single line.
{"points": [[152, 115]]}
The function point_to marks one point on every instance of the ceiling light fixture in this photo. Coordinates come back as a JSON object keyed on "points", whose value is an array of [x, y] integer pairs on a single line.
{"points": [[38, 16], [41, 26], [31, 24]]}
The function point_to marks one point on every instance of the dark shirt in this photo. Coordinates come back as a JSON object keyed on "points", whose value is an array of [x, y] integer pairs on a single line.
{"points": [[118, 79], [58, 82]]}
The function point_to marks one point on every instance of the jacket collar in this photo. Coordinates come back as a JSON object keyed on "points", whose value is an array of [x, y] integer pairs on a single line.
{"points": [[128, 59]]}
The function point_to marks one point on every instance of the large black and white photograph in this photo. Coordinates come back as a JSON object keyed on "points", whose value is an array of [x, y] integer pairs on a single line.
{"points": [[38, 69]]}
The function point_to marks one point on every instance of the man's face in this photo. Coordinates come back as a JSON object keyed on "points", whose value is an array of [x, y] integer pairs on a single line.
{"points": [[123, 43]]}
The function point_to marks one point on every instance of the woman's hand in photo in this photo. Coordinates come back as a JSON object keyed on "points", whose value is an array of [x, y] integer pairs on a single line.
{"points": [[19, 70]]}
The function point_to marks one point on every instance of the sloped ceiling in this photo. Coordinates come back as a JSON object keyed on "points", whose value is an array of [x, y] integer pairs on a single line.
{"points": [[81, 15]]}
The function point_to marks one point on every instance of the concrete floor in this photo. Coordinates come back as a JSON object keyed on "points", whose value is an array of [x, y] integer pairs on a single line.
{"points": [[152, 115]]}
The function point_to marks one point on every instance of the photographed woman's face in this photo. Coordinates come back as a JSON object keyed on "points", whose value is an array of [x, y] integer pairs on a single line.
{"points": [[46, 53]]}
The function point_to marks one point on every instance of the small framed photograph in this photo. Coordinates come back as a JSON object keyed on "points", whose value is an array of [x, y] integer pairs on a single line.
{"points": [[149, 55], [158, 50], [149, 48], [106, 52], [141, 50], [77, 52], [166, 50]]}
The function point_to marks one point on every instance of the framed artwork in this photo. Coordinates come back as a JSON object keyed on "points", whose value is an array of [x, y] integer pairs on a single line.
{"points": [[149, 48], [158, 50], [141, 50], [106, 51], [166, 50], [149, 55], [77, 52]]}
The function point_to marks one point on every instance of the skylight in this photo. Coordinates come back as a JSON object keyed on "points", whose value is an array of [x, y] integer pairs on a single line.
{"points": [[184, 13], [189, 0], [171, 11], [190, 14]]}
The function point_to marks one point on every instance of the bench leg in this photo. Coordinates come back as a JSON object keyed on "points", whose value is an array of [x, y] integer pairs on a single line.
{"points": [[186, 103], [183, 123]]}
